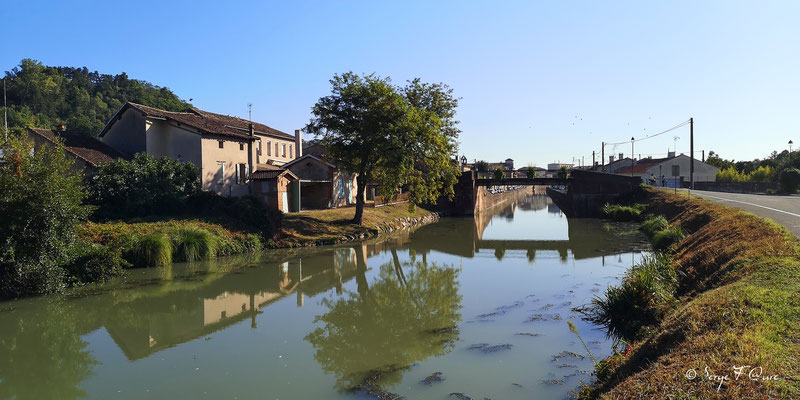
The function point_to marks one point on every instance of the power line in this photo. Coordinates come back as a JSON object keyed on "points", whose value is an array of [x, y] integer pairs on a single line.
{"points": [[682, 124]]}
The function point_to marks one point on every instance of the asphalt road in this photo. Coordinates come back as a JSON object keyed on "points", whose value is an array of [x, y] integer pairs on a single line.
{"points": [[785, 210]]}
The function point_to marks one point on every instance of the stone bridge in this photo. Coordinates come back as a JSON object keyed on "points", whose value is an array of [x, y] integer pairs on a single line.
{"points": [[581, 195]]}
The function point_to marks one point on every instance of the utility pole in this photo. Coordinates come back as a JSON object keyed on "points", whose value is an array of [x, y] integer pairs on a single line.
{"points": [[603, 155], [632, 155], [593, 161], [691, 153]]}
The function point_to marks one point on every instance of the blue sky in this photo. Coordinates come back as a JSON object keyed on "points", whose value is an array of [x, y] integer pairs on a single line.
{"points": [[539, 81]]}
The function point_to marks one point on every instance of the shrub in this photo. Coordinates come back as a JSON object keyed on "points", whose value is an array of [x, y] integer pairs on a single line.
{"points": [[643, 297], [247, 212], [40, 207], [730, 174], [94, 263], [622, 213], [653, 225], [665, 238], [150, 250], [142, 187], [789, 179], [191, 244]]}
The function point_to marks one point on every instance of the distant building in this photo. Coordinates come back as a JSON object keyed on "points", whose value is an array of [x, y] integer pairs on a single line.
{"points": [[658, 167], [87, 152], [322, 184]]}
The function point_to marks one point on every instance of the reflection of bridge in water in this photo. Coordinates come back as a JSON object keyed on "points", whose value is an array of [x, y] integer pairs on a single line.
{"points": [[587, 237]]}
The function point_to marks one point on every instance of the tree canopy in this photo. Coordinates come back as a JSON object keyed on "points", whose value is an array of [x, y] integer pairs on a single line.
{"points": [[394, 136], [43, 96]]}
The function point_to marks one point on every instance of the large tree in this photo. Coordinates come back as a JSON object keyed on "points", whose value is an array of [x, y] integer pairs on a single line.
{"points": [[390, 135]]}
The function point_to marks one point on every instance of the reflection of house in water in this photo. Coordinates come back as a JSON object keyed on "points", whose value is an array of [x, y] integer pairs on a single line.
{"points": [[149, 324]]}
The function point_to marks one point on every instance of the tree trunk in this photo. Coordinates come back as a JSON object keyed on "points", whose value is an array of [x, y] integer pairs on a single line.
{"points": [[361, 182]]}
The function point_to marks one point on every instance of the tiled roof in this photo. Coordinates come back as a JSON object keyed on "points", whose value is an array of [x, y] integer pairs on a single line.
{"points": [[86, 148], [272, 174], [207, 122], [642, 165]]}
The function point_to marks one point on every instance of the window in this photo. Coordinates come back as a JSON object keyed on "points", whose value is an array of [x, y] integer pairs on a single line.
{"points": [[241, 146], [290, 151], [220, 177], [283, 153], [220, 144], [269, 147], [276, 149], [242, 173], [340, 188], [258, 147]]}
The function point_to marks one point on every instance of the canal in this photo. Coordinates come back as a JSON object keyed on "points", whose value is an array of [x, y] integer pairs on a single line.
{"points": [[477, 306]]}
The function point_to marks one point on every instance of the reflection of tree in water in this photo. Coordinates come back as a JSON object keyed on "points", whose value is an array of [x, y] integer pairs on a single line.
{"points": [[407, 315], [42, 355]]}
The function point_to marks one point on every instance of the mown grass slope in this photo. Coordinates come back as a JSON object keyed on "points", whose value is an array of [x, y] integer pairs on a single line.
{"points": [[739, 305]]}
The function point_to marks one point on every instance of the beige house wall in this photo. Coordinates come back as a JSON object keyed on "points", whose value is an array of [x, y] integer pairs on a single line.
{"points": [[268, 153], [168, 139], [127, 135], [232, 155]]}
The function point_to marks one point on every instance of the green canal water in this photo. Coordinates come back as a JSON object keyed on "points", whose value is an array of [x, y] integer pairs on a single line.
{"points": [[484, 302]]}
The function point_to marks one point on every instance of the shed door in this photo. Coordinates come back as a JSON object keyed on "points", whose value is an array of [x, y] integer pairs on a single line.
{"points": [[285, 198]]}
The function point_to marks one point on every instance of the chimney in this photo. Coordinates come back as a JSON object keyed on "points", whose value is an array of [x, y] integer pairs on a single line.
{"points": [[621, 156], [610, 159], [298, 143], [252, 130], [670, 155]]}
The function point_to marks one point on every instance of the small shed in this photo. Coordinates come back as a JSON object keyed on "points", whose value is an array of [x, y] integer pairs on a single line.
{"points": [[271, 184]]}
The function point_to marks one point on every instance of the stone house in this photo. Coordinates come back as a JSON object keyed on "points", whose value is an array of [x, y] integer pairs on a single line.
{"points": [[226, 149]]}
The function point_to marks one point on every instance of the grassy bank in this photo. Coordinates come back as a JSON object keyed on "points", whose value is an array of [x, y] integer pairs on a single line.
{"points": [[333, 225], [737, 303]]}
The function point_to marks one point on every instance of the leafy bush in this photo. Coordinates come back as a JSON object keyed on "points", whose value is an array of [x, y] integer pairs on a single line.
{"points": [[247, 212], [40, 207], [789, 180], [150, 250], [94, 263], [763, 173], [622, 213], [643, 297], [730, 174], [665, 238], [142, 187], [192, 244], [653, 225], [530, 172]]}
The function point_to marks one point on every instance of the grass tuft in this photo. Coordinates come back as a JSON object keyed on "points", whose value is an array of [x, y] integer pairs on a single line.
{"points": [[664, 239], [192, 244], [151, 250], [622, 213], [653, 225]]}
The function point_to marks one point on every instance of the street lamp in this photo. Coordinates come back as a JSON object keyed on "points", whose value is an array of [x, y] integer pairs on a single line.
{"points": [[632, 159], [790, 146]]}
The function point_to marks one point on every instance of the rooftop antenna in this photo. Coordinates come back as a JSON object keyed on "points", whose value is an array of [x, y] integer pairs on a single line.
{"points": [[250, 112]]}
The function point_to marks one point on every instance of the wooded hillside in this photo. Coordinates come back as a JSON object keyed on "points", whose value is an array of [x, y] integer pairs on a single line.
{"points": [[42, 96]]}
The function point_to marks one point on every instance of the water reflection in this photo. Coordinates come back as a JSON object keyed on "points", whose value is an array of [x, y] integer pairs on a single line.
{"points": [[380, 303], [407, 314], [42, 355]]}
